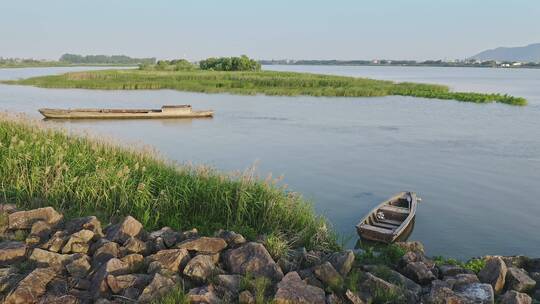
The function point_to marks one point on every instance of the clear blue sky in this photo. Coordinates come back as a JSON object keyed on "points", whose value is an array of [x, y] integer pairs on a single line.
{"points": [[310, 29]]}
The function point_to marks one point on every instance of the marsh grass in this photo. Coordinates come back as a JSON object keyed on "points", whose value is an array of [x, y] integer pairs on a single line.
{"points": [[82, 176], [256, 82]]}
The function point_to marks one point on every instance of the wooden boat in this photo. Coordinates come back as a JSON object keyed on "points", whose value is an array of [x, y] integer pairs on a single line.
{"points": [[177, 111], [390, 219]]}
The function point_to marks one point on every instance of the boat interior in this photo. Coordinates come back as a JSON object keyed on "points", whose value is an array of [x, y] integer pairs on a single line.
{"points": [[388, 217]]}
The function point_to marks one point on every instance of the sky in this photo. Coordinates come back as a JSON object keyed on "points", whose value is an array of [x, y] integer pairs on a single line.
{"points": [[276, 29]]}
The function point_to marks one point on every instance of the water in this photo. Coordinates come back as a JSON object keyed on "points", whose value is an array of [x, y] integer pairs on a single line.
{"points": [[477, 167]]}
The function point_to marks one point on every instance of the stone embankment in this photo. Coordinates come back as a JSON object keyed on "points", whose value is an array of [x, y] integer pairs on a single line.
{"points": [[46, 259]]}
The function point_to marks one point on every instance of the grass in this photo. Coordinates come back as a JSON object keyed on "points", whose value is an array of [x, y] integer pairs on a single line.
{"points": [[278, 245], [258, 286], [81, 176], [381, 255], [474, 264], [257, 82], [175, 296]]}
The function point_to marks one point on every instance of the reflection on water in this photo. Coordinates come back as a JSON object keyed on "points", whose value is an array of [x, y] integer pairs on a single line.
{"points": [[475, 166]]}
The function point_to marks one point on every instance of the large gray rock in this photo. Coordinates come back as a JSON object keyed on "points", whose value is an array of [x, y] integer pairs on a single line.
{"points": [[44, 258], [374, 284], [480, 293], [166, 236], [413, 246], [441, 293], [56, 242], [203, 295], [292, 290], [134, 245], [206, 245], [342, 261], [25, 219], [79, 266], [159, 286], [12, 252], [129, 227], [78, 242], [327, 274], [170, 259], [31, 287], [494, 273], [514, 297], [517, 279], [200, 268], [230, 282], [89, 223], [118, 284], [106, 251], [232, 238], [419, 272], [396, 278], [252, 258]]}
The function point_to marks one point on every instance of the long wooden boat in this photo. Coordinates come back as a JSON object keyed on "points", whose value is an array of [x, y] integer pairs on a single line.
{"points": [[390, 219], [176, 111]]}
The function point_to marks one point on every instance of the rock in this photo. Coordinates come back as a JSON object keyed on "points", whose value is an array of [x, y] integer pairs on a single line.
{"points": [[533, 265], [79, 267], [442, 294], [328, 275], [78, 242], [56, 242], [245, 297], [230, 282], [88, 223], [115, 267], [105, 252], [517, 279], [171, 259], [342, 261], [204, 245], [452, 270], [396, 278], [203, 295], [131, 293], [118, 284], [254, 259], [62, 299], [129, 227], [232, 238], [135, 262], [460, 280], [374, 284], [293, 290], [25, 219], [12, 252], [354, 298], [41, 229], [419, 272], [44, 258], [494, 273], [514, 297], [200, 268], [414, 246], [480, 293], [168, 236], [9, 278], [79, 283], [31, 287], [134, 245]]}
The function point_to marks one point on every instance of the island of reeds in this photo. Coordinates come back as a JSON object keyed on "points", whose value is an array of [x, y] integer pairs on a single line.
{"points": [[241, 75]]}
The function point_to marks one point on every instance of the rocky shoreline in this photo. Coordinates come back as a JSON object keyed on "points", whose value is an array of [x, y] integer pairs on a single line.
{"points": [[46, 259]]}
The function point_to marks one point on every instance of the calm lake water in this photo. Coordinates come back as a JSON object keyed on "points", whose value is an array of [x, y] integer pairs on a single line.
{"points": [[477, 167]]}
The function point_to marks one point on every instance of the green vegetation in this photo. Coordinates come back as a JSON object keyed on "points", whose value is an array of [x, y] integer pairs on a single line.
{"points": [[175, 296], [250, 83], [381, 255], [29, 63], [242, 63], [169, 65], [80, 176], [474, 264], [104, 59], [258, 286], [278, 245]]}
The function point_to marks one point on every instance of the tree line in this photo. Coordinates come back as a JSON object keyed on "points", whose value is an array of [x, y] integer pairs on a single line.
{"points": [[104, 59]]}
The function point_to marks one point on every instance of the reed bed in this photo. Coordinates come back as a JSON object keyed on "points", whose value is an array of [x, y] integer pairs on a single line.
{"points": [[258, 82], [40, 166]]}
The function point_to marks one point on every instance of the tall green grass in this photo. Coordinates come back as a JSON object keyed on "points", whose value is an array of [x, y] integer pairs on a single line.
{"points": [[81, 176], [259, 82]]}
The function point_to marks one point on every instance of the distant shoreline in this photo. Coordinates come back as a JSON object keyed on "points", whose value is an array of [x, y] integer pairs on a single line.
{"points": [[332, 63]]}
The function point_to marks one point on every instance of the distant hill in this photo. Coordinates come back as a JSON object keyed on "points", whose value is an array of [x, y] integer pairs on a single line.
{"points": [[529, 53], [104, 59]]}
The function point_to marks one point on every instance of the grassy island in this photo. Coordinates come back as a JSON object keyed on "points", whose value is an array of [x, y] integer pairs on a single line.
{"points": [[40, 167], [256, 82]]}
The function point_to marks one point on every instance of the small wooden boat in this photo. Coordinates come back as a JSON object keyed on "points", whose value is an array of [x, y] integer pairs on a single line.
{"points": [[178, 111], [386, 222]]}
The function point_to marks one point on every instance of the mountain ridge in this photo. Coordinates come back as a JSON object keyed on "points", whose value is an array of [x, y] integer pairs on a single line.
{"points": [[529, 53]]}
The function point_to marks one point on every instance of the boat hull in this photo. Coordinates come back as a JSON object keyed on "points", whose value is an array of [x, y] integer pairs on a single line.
{"points": [[120, 114], [390, 220]]}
